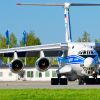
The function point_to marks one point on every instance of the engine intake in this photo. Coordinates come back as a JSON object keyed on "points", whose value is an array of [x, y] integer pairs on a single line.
{"points": [[16, 65], [42, 64]]}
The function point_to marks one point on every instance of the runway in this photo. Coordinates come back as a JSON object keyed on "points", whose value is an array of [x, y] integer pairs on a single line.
{"points": [[43, 85]]}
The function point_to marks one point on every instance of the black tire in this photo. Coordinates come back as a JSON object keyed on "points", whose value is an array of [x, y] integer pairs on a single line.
{"points": [[54, 81], [91, 81], [98, 81], [63, 81], [81, 82]]}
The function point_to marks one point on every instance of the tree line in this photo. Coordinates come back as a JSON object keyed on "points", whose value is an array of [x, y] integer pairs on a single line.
{"points": [[31, 39], [86, 38]]}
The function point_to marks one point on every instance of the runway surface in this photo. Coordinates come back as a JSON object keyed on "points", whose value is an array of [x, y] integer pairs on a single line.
{"points": [[43, 85]]}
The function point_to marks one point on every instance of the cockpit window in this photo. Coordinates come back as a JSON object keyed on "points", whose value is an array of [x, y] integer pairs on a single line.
{"points": [[91, 52], [84, 52], [87, 53]]}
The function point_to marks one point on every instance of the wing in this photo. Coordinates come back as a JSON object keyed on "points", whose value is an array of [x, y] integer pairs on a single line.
{"points": [[97, 48], [50, 50]]}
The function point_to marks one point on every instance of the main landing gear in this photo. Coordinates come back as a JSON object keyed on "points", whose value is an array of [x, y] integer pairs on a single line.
{"points": [[89, 81], [59, 81]]}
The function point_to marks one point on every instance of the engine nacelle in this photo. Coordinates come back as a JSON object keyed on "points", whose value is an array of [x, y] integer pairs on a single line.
{"points": [[42, 64], [16, 65]]}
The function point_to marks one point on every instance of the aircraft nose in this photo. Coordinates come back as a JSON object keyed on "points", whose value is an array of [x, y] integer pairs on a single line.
{"points": [[89, 62]]}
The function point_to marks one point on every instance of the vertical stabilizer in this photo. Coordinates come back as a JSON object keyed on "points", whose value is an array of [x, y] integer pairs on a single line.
{"points": [[67, 25]]}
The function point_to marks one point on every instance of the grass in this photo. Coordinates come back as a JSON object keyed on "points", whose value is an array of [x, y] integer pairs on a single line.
{"points": [[50, 94]]}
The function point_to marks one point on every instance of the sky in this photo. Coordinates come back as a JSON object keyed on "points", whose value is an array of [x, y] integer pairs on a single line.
{"points": [[48, 22]]}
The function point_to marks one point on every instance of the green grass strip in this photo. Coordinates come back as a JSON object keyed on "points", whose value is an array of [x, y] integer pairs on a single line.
{"points": [[50, 94]]}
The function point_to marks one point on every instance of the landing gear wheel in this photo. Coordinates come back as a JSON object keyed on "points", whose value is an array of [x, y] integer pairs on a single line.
{"points": [[54, 81], [63, 81], [59, 81], [98, 81], [81, 81], [91, 81], [95, 76]]}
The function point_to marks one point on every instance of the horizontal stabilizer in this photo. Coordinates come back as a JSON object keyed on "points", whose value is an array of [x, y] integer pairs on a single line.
{"points": [[71, 4]]}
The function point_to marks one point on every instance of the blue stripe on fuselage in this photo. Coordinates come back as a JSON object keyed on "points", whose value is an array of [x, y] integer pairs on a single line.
{"points": [[72, 59]]}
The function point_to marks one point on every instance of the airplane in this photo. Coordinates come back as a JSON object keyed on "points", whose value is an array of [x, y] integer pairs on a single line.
{"points": [[76, 60]]}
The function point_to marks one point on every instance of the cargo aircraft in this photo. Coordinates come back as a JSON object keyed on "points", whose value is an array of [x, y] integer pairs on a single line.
{"points": [[76, 60]]}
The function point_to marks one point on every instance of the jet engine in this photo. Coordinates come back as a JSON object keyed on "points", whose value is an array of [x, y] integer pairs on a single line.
{"points": [[42, 64], [16, 65]]}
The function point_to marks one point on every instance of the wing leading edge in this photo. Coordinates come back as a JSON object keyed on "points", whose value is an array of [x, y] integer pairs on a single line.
{"points": [[50, 50]]}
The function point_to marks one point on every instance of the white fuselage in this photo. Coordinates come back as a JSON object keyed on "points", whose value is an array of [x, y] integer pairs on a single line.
{"points": [[81, 59]]}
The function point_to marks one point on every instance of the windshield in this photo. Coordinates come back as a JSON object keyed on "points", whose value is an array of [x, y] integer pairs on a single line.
{"points": [[87, 53]]}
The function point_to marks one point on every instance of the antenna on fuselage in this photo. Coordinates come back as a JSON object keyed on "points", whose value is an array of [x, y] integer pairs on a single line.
{"points": [[66, 14]]}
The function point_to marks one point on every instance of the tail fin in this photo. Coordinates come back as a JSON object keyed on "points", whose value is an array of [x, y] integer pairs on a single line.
{"points": [[67, 25]]}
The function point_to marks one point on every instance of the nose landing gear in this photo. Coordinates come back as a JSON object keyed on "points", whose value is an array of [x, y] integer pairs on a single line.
{"points": [[90, 81]]}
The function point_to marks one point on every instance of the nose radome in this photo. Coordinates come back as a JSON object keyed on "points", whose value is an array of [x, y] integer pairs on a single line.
{"points": [[88, 62]]}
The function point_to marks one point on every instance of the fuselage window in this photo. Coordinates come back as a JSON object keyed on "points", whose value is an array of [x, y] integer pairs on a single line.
{"points": [[84, 52], [91, 52], [87, 52]]}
